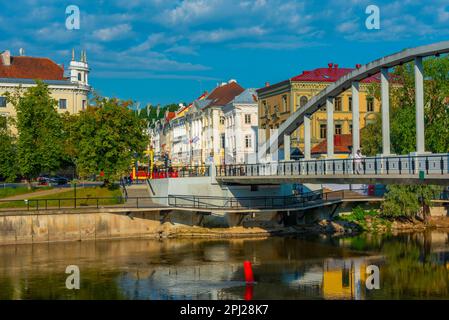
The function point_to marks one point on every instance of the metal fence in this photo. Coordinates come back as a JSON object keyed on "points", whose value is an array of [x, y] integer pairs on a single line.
{"points": [[272, 202], [434, 164]]}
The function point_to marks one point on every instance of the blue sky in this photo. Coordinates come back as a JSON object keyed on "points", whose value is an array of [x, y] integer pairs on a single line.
{"points": [[162, 51]]}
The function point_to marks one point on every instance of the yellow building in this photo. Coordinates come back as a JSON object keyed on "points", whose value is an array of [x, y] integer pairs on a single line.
{"points": [[70, 92], [277, 102]]}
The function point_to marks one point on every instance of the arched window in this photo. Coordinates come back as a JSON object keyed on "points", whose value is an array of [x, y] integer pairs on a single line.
{"points": [[303, 101]]}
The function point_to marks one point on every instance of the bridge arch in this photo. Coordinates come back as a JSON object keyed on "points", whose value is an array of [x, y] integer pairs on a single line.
{"points": [[351, 81]]}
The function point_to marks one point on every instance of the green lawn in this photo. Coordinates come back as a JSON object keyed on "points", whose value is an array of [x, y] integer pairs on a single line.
{"points": [[10, 192], [84, 197]]}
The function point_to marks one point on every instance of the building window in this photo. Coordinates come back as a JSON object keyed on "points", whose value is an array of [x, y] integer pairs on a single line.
{"points": [[248, 141], [79, 76], [284, 103], [62, 103], [303, 101], [337, 104], [247, 119], [350, 128], [2, 102], [84, 104], [338, 129], [323, 131], [222, 141], [350, 103], [369, 105], [222, 120]]}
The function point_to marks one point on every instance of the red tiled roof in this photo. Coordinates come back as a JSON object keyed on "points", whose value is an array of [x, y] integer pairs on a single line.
{"points": [[342, 144], [221, 96], [32, 68], [330, 75]]}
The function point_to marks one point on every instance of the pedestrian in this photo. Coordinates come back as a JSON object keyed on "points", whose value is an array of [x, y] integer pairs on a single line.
{"points": [[358, 161]]}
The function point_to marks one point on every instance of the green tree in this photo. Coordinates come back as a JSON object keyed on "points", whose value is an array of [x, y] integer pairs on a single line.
{"points": [[107, 136], [39, 143], [409, 200], [371, 138], [8, 152]]}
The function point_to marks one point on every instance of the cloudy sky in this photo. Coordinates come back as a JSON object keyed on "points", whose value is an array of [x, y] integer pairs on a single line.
{"points": [[161, 51]]}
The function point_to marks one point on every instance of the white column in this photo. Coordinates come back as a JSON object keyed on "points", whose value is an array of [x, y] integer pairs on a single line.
{"points": [[307, 137], [286, 147], [419, 101], [385, 92], [355, 117], [330, 127]]}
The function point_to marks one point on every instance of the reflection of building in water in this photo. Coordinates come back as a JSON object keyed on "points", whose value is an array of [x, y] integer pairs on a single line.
{"points": [[188, 282], [344, 279]]}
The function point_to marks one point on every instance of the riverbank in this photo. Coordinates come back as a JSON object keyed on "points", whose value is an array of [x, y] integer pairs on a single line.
{"points": [[323, 227]]}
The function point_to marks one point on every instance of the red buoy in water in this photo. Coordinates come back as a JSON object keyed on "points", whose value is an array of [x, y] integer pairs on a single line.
{"points": [[249, 277]]}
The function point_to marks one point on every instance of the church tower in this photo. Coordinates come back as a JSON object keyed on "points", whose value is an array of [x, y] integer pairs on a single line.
{"points": [[79, 70]]}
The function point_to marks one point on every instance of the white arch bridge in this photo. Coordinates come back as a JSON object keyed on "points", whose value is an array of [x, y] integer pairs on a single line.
{"points": [[417, 167]]}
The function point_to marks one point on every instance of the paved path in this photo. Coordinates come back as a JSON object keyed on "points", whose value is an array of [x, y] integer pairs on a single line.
{"points": [[37, 194]]}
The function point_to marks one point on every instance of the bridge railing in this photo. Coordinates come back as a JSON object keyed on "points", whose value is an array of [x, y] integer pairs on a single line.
{"points": [[432, 164], [273, 202], [180, 172]]}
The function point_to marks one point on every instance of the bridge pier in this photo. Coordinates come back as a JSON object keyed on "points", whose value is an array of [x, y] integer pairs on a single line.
{"points": [[307, 138], [355, 117], [385, 93], [419, 102], [330, 127], [286, 147]]}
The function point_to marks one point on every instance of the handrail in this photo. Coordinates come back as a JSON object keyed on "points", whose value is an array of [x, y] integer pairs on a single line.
{"points": [[436, 164]]}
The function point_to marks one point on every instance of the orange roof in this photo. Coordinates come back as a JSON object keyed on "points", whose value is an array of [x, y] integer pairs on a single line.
{"points": [[342, 144], [32, 68], [222, 95]]}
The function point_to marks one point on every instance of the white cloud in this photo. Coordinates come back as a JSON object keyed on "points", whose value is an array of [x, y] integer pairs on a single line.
{"points": [[443, 15], [220, 35], [348, 26], [113, 33]]}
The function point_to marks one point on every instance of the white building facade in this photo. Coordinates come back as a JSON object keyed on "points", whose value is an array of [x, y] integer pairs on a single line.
{"points": [[241, 126]]}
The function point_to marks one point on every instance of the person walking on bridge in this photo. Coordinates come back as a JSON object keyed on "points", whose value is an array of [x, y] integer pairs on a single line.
{"points": [[358, 161]]}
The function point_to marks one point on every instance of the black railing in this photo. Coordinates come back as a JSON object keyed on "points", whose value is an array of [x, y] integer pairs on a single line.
{"points": [[433, 164], [80, 203], [272, 202]]}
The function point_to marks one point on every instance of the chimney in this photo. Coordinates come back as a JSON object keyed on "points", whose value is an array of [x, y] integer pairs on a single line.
{"points": [[232, 81], [21, 52], [336, 66], [358, 65], [330, 64], [6, 58], [267, 84]]}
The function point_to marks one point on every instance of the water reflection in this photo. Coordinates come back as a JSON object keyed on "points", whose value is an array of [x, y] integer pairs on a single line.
{"points": [[411, 266]]}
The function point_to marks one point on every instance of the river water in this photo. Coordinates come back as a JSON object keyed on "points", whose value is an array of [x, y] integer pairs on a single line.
{"points": [[411, 266]]}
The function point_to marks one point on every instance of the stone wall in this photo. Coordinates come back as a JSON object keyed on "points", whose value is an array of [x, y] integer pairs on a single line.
{"points": [[51, 227]]}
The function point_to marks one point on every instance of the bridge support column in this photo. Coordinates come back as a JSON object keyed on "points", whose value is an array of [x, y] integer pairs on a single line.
{"points": [[286, 147], [355, 117], [330, 127], [307, 138], [385, 92], [419, 101]]}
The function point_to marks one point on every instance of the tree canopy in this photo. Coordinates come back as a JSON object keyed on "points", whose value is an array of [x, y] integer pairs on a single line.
{"points": [[106, 137]]}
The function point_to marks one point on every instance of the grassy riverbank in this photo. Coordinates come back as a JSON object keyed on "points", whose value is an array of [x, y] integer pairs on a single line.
{"points": [[85, 196]]}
